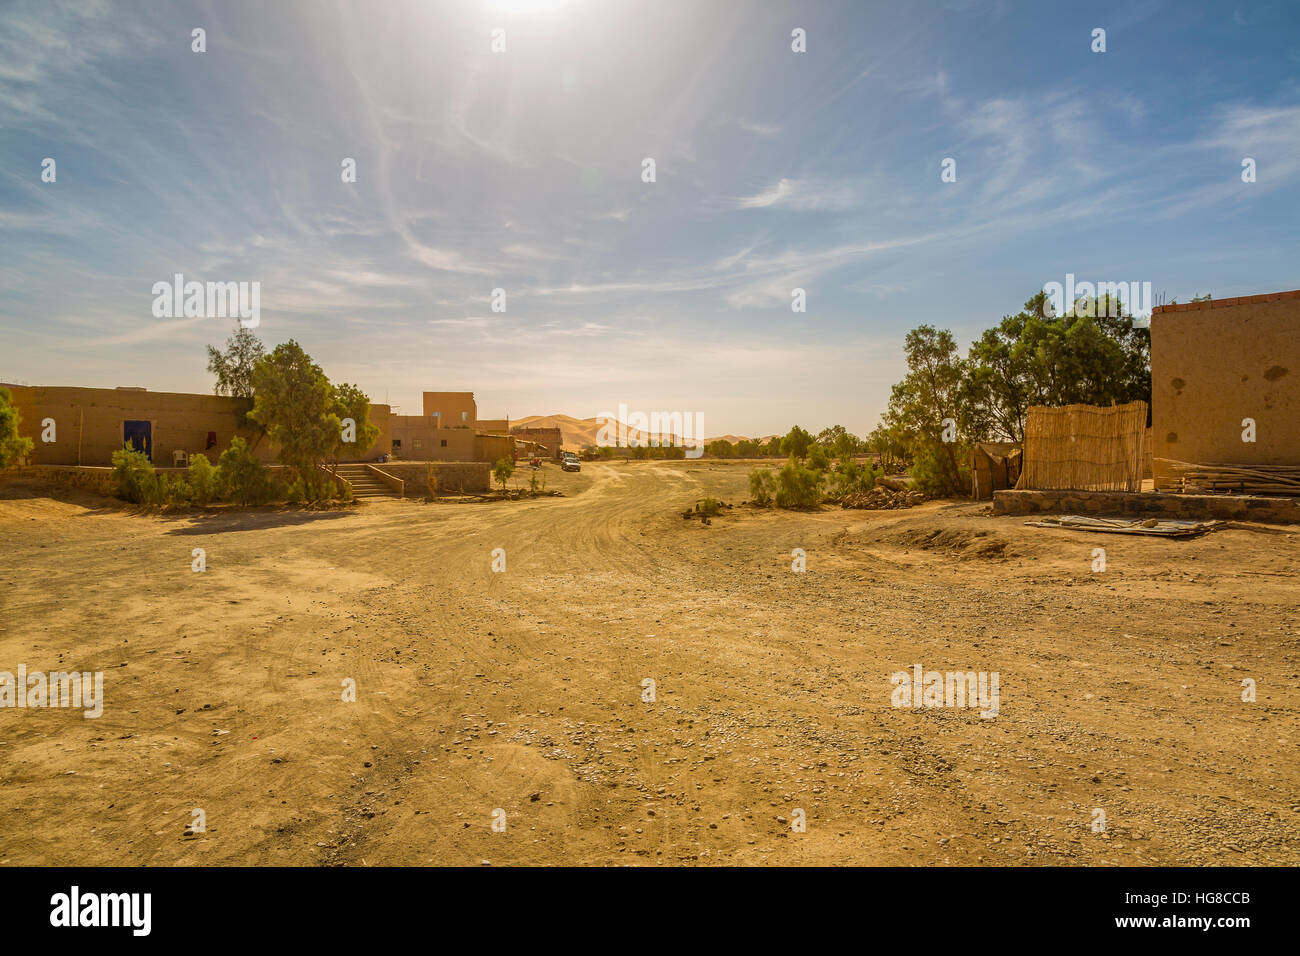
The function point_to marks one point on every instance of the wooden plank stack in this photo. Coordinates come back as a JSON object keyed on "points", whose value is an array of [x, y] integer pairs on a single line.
{"points": [[1228, 479]]}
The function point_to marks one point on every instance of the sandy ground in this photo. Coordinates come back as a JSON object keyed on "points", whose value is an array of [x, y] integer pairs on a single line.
{"points": [[522, 691]]}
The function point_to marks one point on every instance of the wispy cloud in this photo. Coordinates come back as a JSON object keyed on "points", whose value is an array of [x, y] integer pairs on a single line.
{"points": [[522, 171], [802, 194]]}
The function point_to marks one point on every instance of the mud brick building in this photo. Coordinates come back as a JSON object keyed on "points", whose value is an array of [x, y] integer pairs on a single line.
{"points": [[89, 424], [1215, 364], [548, 438]]}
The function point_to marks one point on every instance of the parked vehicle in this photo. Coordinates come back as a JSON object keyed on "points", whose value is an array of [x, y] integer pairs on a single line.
{"points": [[569, 462]]}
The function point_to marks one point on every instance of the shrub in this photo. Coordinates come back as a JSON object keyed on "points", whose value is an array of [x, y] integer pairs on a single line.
{"points": [[204, 479], [818, 459], [12, 445], [709, 507], [175, 490], [850, 478], [798, 486], [295, 493], [502, 471], [761, 487], [325, 489], [244, 479], [134, 477], [932, 469]]}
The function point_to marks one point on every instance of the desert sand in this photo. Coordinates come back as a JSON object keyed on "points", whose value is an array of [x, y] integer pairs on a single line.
{"points": [[522, 691]]}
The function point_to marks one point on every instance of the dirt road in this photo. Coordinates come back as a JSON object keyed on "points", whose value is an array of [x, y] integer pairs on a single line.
{"points": [[522, 691]]}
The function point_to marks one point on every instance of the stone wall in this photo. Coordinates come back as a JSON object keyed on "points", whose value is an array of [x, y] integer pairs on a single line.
{"points": [[96, 480], [454, 477], [91, 478], [1149, 505]]}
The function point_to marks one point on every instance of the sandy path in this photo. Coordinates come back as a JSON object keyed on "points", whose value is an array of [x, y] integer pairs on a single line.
{"points": [[522, 691]]}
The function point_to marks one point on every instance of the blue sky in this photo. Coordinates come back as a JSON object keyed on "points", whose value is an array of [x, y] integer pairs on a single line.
{"points": [[522, 170]]}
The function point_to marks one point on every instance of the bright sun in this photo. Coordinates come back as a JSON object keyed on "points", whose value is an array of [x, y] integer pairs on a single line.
{"points": [[523, 6]]}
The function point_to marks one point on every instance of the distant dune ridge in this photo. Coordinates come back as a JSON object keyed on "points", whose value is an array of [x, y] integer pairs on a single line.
{"points": [[577, 432]]}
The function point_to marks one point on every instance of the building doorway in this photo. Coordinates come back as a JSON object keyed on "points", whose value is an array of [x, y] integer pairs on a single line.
{"points": [[139, 435]]}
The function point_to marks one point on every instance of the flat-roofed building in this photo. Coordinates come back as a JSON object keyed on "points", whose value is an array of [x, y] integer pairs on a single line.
{"points": [[1217, 364]]}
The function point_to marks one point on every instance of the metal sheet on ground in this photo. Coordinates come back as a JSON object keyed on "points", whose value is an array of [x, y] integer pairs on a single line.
{"points": [[1157, 527]]}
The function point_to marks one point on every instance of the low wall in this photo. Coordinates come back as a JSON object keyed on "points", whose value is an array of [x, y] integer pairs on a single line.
{"points": [[1149, 504], [97, 480], [471, 477], [91, 478], [454, 477]]}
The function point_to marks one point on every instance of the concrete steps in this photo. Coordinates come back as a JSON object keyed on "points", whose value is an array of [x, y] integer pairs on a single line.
{"points": [[364, 484]]}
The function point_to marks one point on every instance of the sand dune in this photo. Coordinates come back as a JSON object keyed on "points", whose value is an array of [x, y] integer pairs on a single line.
{"points": [[577, 432]]}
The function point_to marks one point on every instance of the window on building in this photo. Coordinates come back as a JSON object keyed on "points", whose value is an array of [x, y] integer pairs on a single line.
{"points": [[397, 444], [464, 416], [417, 443], [444, 443]]}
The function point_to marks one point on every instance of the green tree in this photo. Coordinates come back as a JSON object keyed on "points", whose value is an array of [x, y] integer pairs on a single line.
{"points": [[818, 459], [828, 436], [502, 471], [927, 403], [234, 367], [12, 445], [796, 443], [887, 444], [845, 445], [1094, 356], [351, 403], [295, 403]]}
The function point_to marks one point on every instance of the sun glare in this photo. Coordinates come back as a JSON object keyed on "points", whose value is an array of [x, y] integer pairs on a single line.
{"points": [[524, 7]]}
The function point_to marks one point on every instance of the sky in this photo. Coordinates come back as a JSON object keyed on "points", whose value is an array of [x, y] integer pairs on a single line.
{"points": [[522, 169]]}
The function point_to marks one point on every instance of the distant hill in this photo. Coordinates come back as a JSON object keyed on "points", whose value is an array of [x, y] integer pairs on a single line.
{"points": [[574, 432], [577, 432]]}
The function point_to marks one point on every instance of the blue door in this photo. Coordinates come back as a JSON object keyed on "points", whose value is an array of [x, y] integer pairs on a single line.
{"points": [[139, 435]]}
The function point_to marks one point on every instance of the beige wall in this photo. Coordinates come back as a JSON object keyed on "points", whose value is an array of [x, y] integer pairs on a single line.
{"points": [[88, 423], [492, 448], [92, 418], [381, 416], [493, 426], [453, 408], [1214, 364], [423, 440]]}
